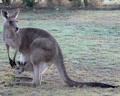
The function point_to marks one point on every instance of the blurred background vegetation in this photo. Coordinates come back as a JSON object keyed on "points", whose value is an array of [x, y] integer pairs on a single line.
{"points": [[89, 4]]}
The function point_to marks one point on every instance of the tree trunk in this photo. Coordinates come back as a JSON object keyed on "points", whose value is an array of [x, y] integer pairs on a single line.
{"points": [[86, 3], [50, 3]]}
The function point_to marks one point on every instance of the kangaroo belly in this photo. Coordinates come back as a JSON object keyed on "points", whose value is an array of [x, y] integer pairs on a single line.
{"points": [[28, 67]]}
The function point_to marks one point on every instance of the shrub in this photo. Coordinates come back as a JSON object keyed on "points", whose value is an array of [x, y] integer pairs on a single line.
{"points": [[29, 3], [76, 3]]}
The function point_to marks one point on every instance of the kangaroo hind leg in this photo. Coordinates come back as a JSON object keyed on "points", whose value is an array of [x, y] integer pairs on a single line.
{"points": [[42, 69], [35, 81]]}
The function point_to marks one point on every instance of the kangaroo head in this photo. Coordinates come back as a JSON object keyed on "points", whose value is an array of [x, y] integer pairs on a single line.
{"points": [[10, 21]]}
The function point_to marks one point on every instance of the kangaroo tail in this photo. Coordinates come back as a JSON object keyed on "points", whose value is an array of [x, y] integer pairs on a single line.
{"points": [[90, 84], [62, 71]]}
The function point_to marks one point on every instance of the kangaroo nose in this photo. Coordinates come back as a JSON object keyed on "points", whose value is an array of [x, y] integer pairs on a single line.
{"points": [[17, 28]]}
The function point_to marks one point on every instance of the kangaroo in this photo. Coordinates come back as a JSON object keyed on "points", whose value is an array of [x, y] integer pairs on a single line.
{"points": [[39, 50]]}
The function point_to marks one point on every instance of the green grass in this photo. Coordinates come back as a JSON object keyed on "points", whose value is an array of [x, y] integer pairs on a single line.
{"points": [[90, 41]]}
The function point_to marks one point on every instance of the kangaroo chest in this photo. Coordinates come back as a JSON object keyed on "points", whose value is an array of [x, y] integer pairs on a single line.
{"points": [[9, 40], [12, 39]]}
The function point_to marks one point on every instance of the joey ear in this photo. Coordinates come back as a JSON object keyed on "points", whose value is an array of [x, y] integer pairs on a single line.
{"points": [[4, 14], [15, 14], [21, 63], [25, 63], [18, 62]]}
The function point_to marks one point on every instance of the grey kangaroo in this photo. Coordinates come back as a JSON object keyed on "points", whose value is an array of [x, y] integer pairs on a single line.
{"points": [[39, 50]]}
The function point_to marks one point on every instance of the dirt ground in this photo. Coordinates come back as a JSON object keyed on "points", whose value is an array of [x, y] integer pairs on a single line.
{"points": [[90, 41]]}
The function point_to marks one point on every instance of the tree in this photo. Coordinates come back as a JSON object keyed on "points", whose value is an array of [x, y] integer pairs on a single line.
{"points": [[86, 3], [7, 2]]}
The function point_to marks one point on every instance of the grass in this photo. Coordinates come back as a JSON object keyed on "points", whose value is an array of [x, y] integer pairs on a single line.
{"points": [[90, 44]]}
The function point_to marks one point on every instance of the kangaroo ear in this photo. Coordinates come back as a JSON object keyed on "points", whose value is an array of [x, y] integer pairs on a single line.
{"points": [[4, 14], [15, 14]]}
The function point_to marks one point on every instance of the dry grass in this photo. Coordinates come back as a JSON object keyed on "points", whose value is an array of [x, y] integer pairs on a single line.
{"points": [[90, 43]]}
